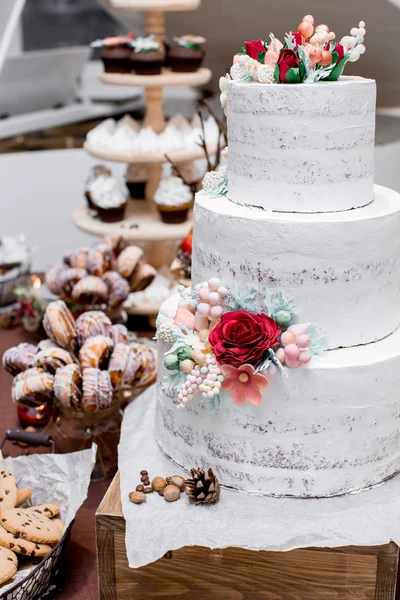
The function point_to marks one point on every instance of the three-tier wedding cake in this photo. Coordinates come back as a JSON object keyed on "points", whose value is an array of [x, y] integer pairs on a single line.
{"points": [[280, 367]]}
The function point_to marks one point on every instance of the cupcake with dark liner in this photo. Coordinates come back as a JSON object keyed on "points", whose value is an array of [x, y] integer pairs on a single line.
{"points": [[147, 56], [136, 177], [96, 172], [109, 198], [116, 53], [174, 199], [187, 55]]}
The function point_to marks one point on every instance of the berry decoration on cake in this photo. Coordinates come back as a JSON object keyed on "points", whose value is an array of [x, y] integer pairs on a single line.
{"points": [[227, 341], [307, 55]]}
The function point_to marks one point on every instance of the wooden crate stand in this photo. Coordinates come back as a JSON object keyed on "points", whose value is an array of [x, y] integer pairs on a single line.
{"points": [[198, 573]]}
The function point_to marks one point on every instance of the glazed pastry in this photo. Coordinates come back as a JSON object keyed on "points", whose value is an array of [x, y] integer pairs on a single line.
{"points": [[19, 358], [68, 278], [77, 259], [140, 352], [123, 366], [97, 390], [46, 344], [32, 389], [52, 279], [99, 260], [119, 334], [118, 292], [129, 260], [95, 352], [149, 375], [92, 323], [33, 372], [116, 242], [53, 358], [91, 290], [68, 385], [142, 277], [59, 325]]}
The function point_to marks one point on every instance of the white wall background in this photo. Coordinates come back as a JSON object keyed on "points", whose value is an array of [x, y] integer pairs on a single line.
{"points": [[39, 190]]}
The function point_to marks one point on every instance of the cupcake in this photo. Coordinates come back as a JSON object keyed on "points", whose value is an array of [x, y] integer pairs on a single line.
{"points": [[109, 198], [187, 55], [174, 199], [116, 53], [147, 57], [136, 178], [96, 172]]}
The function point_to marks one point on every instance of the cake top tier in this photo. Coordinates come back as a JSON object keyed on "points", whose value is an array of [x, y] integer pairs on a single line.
{"points": [[307, 55]]}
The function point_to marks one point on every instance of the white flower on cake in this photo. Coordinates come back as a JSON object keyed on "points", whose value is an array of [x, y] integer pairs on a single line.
{"points": [[172, 191], [216, 182], [145, 44], [107, 192]]}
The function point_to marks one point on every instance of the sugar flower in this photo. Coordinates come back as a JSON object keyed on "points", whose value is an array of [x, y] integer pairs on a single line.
{"points": [[244, 383]]}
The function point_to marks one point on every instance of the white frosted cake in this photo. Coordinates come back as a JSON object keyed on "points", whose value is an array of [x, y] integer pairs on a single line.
{"points": [[280, 368]]}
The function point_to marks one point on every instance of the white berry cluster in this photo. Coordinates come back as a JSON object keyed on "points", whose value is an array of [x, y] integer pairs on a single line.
{"points": [[213, 180], [167, 331], [253, 68], [238, 72], [353, 43], [206, 379]]}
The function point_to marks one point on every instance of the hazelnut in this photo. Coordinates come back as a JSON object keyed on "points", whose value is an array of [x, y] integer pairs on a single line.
{"points": [[158, 483], [140, 488], [176, 480], [171, 493], [148, 490], [137, 497]]}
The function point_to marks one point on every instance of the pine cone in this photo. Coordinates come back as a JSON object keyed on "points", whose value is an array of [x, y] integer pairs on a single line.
{"points": [[202, 488]]}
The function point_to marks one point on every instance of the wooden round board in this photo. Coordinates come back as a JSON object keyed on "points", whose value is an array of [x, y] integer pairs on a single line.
{"points": [[177, 156], [138, 225], [166, 79], [155, 5]]}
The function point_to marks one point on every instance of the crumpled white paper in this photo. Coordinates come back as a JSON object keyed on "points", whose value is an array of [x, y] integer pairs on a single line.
{"points": [[253, 522], [61, 479]]}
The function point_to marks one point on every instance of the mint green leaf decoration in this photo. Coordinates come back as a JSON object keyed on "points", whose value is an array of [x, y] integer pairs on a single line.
{"points": [[318, 342], [267, 360], [261, 57], [173, 381], [212, 404], [290, 41], [277, 301], [244, 298], [338, 69], [276, 74]]}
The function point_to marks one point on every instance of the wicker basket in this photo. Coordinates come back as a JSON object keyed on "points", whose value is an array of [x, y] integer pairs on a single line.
{"points": [[19, 276]]}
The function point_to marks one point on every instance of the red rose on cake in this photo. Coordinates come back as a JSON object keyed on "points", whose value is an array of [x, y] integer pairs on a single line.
{"points": [[253, 48], [243, 338], [340, 50], [287, 61]]}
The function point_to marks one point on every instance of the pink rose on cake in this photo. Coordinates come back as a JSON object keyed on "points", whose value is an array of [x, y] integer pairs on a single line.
{"points": [[241, 337], [253, 48]]}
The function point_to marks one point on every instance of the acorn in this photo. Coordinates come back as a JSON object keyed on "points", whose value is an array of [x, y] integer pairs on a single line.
{"points": [[137, 497], [176, 480], [171, 493], [158, 483]]}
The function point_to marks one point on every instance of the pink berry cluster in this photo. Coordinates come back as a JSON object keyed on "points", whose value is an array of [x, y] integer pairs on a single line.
{"points": [[295, 342], [206, 379], [212, 300]]}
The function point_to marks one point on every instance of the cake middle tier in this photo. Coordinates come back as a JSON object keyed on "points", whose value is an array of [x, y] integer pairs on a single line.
{"points": [[342, 269]]}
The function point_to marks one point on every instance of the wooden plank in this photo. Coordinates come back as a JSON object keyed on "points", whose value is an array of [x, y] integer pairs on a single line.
{"points": [[354, 572]]}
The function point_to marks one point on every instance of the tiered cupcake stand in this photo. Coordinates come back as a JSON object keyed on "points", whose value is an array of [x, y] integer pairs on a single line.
{"points": [[142, 224]]}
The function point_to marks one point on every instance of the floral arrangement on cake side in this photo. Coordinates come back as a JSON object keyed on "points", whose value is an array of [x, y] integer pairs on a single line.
{"points": [[307, 55], [227, 341]]}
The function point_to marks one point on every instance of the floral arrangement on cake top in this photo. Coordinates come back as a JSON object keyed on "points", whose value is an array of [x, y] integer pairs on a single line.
{"points": [[307, 55], [227, 341]]}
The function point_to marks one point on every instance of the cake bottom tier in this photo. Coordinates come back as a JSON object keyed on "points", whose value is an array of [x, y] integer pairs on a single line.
{"points": [[329, 428]]}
